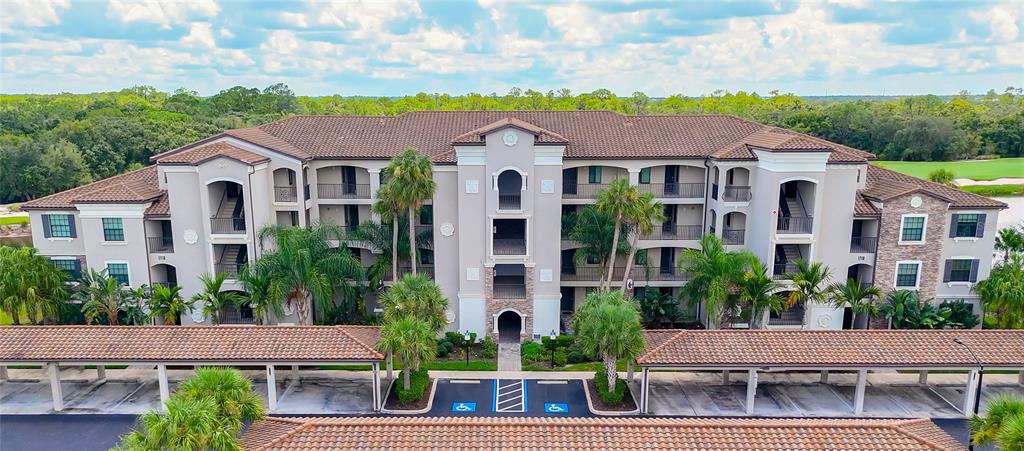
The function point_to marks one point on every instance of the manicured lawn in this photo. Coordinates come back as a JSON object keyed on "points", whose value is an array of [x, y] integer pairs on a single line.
{"points": [[995, 190], [975, 170], [7, 220]]}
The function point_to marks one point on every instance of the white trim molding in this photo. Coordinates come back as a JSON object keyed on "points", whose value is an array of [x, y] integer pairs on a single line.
{"points": [[896, 273], [792, 161], [99, 211], [548, 155], [924, 229], [471, 155]]}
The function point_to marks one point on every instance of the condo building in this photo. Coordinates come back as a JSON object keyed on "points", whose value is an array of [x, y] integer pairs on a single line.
{"points": [[504, 181]]}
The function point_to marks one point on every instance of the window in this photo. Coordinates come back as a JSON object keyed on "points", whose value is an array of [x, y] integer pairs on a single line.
{"points": [[426, 257], [427, 215], [966, 225], [645, 176], [907, 274], [592, 260], [959, 270], [113, 229], [594, 174], [640, 258], [912, 228], [71, 266], [119, 271], [60, 226]]}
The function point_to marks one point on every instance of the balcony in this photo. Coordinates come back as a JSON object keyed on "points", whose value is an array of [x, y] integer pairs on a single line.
{"points": [[161, 244], [231, 225], [509, 246], [733, 236], [343, 190], [582, 190], [676, 232], [674, 190], [736, 193], [510, 201], [285, 194], [781, 269], [863, 244], [795, 224], [229, 269], [793, 316], [509, 290], [637, 273]]}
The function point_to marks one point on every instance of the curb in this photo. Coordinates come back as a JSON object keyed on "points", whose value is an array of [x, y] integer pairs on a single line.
{"points": [[430, 402], [611, 413]]}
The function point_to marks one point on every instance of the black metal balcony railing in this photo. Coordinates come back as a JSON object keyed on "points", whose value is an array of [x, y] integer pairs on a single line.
{"points": [[582, 190], [424, 270], [509, 201], [509, 291], [675, 232], [161, 244], [285, 194], [734, 236], [780, 270], [227, 225], [795, 224], [231, 269], [674, 190], [736, 193], [637, 273], [343, 190], [863, 244], [509, 246], [793, 316]]}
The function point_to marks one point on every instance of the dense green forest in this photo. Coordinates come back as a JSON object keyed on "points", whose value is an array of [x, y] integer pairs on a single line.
{"points": [[53, 142]]}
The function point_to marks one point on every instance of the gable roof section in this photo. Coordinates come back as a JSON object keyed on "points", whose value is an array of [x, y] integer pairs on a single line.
{"points": [[218, 149], [883, 184], [477, 136], [137, 186], [862, 207], [608, 433]]}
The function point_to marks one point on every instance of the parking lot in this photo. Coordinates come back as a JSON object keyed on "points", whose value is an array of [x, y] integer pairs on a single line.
{"points": [[509, 397]]}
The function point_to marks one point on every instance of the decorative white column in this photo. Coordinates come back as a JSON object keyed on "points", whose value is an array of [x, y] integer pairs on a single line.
{"points": [[645, 388], [634, 177], [376, 388], [55, 391], [971, 392], [751, 390], [922, 377], [271, 389], [165, 389], [1020, 379], [858, 394], [295, 374]]}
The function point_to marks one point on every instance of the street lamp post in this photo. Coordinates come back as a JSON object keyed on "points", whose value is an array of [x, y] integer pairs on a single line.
{"points": [[465, 339], [977, 392], [552, 337]]}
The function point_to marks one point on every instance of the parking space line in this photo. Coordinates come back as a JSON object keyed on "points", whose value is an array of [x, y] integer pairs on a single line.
{"points": [[510, 396], [463, 381]]}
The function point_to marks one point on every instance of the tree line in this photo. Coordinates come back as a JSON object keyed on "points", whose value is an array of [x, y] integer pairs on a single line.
{"points": [[53, 142]]}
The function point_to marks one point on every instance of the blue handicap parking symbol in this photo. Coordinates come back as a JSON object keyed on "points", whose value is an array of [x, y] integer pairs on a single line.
{"points": [[464, 407], [556, 407]]}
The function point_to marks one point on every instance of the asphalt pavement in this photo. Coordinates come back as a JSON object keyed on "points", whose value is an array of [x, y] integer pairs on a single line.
{"points": [[62, 432], [509, 397]]}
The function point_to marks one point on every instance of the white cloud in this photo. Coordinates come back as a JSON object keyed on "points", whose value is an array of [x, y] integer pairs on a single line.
{"points": [[581, 25], [226, 33], [161, 12], [297, 19], [1002, 22], [33, 13], [283, 51], [365, 18], [199, 35]]}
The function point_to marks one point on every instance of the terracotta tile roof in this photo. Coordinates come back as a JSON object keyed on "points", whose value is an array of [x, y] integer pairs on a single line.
{"points": [[884, 184], [206, 152], [863, 207], [137, 186], [777, 139], [187, 343], [161, 207], [836, 348], [608, 433], [543, 135]]}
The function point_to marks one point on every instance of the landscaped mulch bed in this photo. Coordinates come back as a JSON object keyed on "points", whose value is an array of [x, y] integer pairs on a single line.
{"points": [[627, 404], [392, 402]]}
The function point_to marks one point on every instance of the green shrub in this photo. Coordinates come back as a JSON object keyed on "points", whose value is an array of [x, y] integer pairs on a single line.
{"points": [[608, 396], [560, 357], [561, 341], [531, 351], [418, 382], [961, 314], [488, 348], [575, 354], [458, 340], [943, 176], [444, 348]]}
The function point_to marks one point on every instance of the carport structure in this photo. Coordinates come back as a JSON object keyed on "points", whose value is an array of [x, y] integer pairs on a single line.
{"points": [[754, 351], [234, 345]]}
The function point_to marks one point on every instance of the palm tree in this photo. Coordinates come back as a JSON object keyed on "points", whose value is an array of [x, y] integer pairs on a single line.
{"points": [[641, 216], [1003, 424], [255, 278], [418, 297], [616, 200], [212, 298], [608, 325], [30, 284], [863, 301], [714, 272], [166, 302], [232, 392], [1010, 240], [379, 237], [411, 340], [810, 283], [1002, 292], [188, 424], [413, 178], [388, 207], [101, 296], [593, 230], [760, 290], [305, 269]]}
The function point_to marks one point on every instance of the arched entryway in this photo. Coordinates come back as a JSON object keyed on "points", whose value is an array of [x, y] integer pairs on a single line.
{"points": [[510, 326]]}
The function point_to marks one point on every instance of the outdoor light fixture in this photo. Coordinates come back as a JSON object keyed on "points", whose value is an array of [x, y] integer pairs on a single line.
{"points": [[465, 339], [977, 392]]}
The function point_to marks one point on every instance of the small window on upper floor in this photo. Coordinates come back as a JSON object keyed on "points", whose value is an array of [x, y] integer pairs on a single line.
{"points": [[645, 176], [426, 257], [912, 228], [594, 174], [113, 229], [967, 226], [907, 274], [59, 226], [961, 270]]}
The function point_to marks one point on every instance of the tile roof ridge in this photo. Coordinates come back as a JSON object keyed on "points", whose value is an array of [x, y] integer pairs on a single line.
{"points": [[671, 339], [899, 426], [302, 425], [373, 351]]}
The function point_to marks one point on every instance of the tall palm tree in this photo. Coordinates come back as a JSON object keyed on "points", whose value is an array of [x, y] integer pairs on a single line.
{"points": [[256, 278], [212, 298], [1002, 292], [593, 230], [413, 178], [305, 269], [810, 283], [411, 340], [863, 301], [714, 272], [187, 425], [389, 207], [759, 289], [236, 402], [641, 216], [418, 297], [166, 302], [102, 296], [30, 283], [616, 200], [1003, 424], [608, 325], [1010, 240]]}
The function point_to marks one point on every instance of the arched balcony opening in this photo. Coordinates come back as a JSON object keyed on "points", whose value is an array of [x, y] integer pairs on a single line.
{"points": [[237, 314], [796, 207], [227, 207], [737, 185], [510, 185], [734, 228], [285, 189]]}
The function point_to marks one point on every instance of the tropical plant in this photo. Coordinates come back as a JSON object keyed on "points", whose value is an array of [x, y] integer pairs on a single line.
{"points": [[1002, 292], [943, 176], [1010, 240], [187, 425], [862, 301], [411, 341], [961, 314], [411, 174], [379, 237], [615, 201], [30, 284], [389, 208], [759, 289], [232, 392], [714, 272], [304, 268], [256, 278], [810, 283], [593, 230], [905, 310], [641, 217], [102, 297], [212, 298], [166, 302], [608, 325], [134, 312], [418, 297], [657, 307], [1002, 425]]}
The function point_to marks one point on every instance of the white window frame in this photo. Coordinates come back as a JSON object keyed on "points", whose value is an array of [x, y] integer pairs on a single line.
{"points": [[966, 283], [924, 229], [896, 274], [127, 265]]}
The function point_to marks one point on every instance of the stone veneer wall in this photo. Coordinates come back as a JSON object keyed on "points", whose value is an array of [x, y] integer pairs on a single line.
{"points": [[929, 253], [523, 306]]}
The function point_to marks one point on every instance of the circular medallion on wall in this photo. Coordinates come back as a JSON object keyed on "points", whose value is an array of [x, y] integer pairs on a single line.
{"points": [[198, 316], [510, 138], [447, 229], [824, 320], [190, 236], [450, 317], [915, 201], [289, 309]]}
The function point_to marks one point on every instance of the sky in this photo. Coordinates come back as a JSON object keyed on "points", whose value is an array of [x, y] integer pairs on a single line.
{"points": [[853, 47]]}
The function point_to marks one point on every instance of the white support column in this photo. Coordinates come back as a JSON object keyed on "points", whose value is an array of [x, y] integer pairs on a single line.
{"points": [[645, 388], [629, 371], [922, 377], [391, 366], [858, 394], [295, 374], [4, 376], [634, 177], [751, 390], [58, 396], [970, 392], [824, 377], [725, 377], [271, 389], [1020, 379], [376, 388], [165, 389], [101, 373]]}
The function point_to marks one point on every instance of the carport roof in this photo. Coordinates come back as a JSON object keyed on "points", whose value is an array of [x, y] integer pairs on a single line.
{"points": [[832, 348], [342, 433], [234, 343]]}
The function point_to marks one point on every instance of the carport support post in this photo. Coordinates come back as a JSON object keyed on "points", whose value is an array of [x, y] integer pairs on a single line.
{"points": [[376, 387], [165, 390], [4, 376], [1020, 378], [922, 377], [271, 388], [751, 390], [645, 386], [295, 373], [101, 373], [725, 377], [858, 394], [824, 377], [58, 396], [970, 392]]}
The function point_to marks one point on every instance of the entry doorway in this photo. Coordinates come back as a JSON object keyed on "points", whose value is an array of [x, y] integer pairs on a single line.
{"points": [[510, 326]]}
